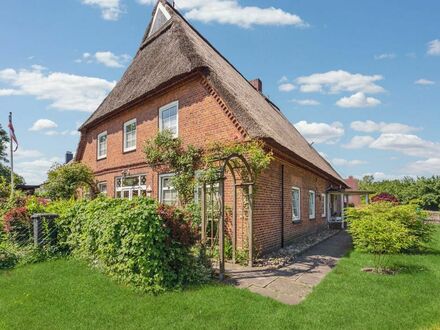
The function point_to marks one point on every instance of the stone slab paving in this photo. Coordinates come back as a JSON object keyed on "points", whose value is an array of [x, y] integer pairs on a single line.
{"points": [[292, 283]]}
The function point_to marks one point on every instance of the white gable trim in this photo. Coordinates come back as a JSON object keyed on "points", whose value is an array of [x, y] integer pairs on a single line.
{"points": [[162, 8]]}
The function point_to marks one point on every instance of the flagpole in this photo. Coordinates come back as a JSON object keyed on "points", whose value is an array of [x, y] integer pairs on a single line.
{"points": [[12, 158]]}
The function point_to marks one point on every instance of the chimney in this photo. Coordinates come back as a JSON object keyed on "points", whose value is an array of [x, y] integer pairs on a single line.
{"points": [[69, 156], [258, 84]]}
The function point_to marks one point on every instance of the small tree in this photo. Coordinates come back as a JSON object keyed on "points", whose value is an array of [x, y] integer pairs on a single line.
{"points": [[384, 228], [64, 181]]}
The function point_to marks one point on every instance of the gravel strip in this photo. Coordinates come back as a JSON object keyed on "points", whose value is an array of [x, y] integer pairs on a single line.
{"points": [[287, 255]]}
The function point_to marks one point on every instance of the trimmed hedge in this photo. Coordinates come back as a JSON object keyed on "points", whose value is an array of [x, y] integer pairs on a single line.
{"points": [[137, 242]]}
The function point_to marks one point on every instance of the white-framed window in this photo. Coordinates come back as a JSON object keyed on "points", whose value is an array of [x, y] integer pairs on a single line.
{"points": [[324, 205], [131, 186], [130, 135], [312, 204], [296, 204], [167, 193], [161, 16], [102, 187], [169, 118], [102, 145]]}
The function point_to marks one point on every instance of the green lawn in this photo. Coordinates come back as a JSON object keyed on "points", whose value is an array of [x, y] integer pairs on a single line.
{"points": [[65, 294]]}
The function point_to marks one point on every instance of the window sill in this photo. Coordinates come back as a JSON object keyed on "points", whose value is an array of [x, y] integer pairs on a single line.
{"points": [[312, 219], [128, 151], [101, 158], [295, 222]]}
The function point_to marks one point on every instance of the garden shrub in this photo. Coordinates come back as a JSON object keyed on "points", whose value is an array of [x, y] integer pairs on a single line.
{"points": [[385, 228], [64, 181], [17, 225], [137, 242], [385, 197], [16, 234]]}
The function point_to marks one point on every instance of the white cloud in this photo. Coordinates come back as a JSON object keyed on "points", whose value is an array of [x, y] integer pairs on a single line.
{"points": [[370, 126], [358, 100], [9, 92], [64, 91], [434, 47], [43, 124], [110, 9], [106, 58], [147, 2], [430, 166], [321, 132], [282, 80], [379, 176], [27, 153], [35, 171], [345, 162], [65, 132], [385, 56], [306, 102], [340, 81], [408, 144], [231, 12], [424, 82], [359, 141], [286, 87]]}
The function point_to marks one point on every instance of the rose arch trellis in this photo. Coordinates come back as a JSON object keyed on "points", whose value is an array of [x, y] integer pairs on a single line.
{"points": [[230, 163]]}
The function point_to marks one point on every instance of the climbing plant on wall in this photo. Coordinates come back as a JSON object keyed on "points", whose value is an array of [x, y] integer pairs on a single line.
{"points": [[166, 152]]}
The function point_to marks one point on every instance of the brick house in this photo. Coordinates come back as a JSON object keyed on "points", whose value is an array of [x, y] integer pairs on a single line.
{"points": [[179, 81]]}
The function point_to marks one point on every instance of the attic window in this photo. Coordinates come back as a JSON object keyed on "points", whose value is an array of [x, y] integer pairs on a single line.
{"points": [[161, 16]]}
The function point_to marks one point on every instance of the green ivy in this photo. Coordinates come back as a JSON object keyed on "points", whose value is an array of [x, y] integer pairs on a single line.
{"points": [[131, 242]]}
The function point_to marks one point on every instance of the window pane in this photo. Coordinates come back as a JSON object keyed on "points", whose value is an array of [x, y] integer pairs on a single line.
{"points": [[130, 181], [295, 204], [169, 119], [168, 193], [312, 204], [102, 187], [130, 136], [102, 145]]}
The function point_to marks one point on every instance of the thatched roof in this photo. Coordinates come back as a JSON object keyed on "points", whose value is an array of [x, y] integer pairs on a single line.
{"points": [[176, 50]]}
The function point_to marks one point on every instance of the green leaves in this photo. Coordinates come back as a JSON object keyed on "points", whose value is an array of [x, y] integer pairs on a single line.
{"points": [[137, 242], [384, 228], [64, 180], [423, 191]]}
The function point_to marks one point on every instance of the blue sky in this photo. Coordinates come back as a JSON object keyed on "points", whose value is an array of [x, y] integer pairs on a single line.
{"points": [[360, 79]]}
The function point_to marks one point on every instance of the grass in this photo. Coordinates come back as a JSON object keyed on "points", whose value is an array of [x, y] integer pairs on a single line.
{"points": [[66, 294]]}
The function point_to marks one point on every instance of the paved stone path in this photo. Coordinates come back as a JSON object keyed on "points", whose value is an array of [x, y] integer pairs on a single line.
{"points": [[292, 283]]}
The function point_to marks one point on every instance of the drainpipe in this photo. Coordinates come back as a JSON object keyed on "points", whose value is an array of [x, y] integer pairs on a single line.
{"points": [[282, 205]]}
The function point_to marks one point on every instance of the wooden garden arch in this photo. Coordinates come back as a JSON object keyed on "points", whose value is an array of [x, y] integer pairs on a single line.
{"points": [[226, 164]]}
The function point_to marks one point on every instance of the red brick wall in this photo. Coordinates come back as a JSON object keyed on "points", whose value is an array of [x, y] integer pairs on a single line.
{"points": [[267, 211], [202, 121]]}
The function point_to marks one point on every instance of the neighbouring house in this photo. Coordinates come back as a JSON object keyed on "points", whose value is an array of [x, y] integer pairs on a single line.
{"points": [[179, 81], [352, 199]]}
